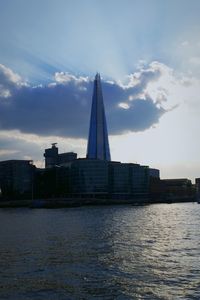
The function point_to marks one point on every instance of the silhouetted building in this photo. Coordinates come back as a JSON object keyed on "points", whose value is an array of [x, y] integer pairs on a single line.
{"points": [[154, 173], [140, 180], [180, 189], [94, 178], [128, 180], [16, 178], [98, 145], [156, 186], [53, 158], [171, 190], [89, 177], [64, 158], [157, 189], [103, 179], [119, 180], [197, 188], [52, 182]]}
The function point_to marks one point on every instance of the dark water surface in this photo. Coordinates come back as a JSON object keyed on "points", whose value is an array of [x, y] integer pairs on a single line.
{"points": [[113, 252]]}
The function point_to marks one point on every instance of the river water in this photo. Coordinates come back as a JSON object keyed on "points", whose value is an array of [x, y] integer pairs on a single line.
{"points": [[108, 252]]}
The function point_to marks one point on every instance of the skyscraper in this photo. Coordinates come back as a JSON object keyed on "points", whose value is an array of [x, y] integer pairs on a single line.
{"points": [[98, 145]]}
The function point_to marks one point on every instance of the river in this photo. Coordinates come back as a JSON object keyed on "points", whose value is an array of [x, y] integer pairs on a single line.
{"points": [[101, 252]]}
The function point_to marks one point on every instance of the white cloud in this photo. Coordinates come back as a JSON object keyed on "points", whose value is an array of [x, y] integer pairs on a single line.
{"points": [[4, 93], [10, 75], [65, 78], [124, 105], [9, 81]]}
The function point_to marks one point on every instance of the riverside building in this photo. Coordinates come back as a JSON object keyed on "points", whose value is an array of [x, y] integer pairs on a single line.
{"points": [[53, 158], [98, 145], [16, 178]]}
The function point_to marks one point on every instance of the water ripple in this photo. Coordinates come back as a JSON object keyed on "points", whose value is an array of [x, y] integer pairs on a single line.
{"points": [[117, 252]]}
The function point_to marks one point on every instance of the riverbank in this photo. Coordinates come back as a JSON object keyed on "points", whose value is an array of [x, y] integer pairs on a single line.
{"points": [[74, 202], [67, 202]]}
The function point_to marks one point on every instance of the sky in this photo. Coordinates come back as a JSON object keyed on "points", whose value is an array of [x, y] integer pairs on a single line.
{"points": [[148, 55]]}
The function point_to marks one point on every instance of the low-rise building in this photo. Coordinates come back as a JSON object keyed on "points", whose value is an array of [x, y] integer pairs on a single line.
{"points": [[155, 173], [51, 182], [94, 178], [197, 189], [127, 180], [180, 189], [103, 179], [16, 178], [139, 180], [89, 177], [119, 180]]}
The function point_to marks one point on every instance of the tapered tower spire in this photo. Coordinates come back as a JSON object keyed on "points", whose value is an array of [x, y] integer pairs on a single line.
{"points": [[98, 145]]}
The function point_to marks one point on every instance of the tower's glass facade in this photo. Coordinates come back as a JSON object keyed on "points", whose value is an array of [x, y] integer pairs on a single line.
{"points": [[98, 145]]}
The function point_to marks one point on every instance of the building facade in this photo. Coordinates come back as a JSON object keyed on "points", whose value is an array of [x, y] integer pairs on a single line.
{"points": [[89, 178], [179, 189], [53, 158], [16, 178], [113, 180], [94, 178], [197, 189]]}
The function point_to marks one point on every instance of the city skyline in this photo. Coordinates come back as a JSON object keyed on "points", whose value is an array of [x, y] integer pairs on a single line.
{"points": [[148, 54]]}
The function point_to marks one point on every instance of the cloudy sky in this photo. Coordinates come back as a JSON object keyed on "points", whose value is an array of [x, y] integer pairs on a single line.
{"points": [[148, 54]]}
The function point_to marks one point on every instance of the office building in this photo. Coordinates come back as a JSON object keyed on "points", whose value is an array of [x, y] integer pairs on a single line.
{"points": [[89, 177], [98, 145], [16, 178], [53, 158], [178, 189], [127, 180], [197, 188], [102, 179], [52, 182], [155, 173]]}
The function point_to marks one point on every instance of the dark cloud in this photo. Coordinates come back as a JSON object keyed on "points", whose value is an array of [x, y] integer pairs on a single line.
{"points": [[140, 116], [62, 108]]}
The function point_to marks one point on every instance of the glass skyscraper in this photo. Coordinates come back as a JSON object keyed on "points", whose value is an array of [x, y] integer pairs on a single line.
{"points": [[98, 145]]}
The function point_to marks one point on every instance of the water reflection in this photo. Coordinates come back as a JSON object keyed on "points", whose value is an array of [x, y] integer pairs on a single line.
{"points": [[119, 252]]}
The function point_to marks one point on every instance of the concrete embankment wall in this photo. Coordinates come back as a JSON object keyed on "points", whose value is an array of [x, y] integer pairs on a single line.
{"points": [[67, 202], [74, 202]]}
